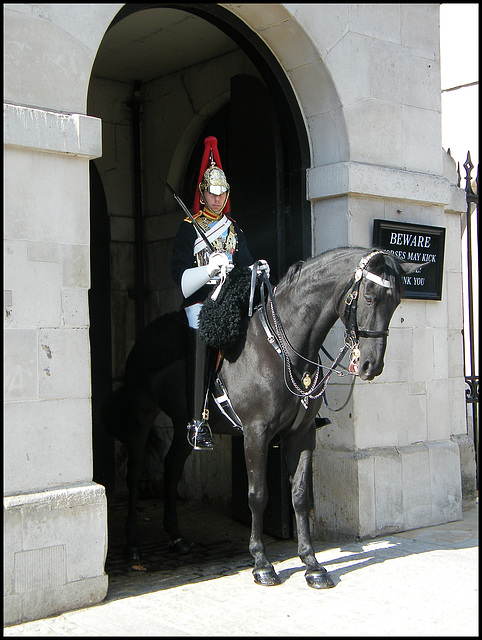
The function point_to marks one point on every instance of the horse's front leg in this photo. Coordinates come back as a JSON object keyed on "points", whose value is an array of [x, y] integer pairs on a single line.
{"points": [[299, 457], [136, 444], [256, 458], [173, 468]]}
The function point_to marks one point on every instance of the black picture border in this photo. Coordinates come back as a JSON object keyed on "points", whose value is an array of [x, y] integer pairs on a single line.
{"points": [[381, 227]]}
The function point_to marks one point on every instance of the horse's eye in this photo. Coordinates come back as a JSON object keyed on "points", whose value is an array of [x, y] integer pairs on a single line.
{"points": [[368, 299]]}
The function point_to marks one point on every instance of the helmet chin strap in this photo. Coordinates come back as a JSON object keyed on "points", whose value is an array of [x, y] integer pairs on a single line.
{"points": [[214, 213]]}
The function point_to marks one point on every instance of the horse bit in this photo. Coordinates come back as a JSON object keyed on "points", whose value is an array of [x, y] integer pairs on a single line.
{"points": [[312, 387]]}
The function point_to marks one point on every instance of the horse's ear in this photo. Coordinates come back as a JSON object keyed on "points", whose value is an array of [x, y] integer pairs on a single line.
{"points": [[377, 262], [411, 267]]}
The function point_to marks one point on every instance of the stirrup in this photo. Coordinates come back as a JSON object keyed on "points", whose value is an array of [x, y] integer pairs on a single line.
{"points": [[199, 436]]}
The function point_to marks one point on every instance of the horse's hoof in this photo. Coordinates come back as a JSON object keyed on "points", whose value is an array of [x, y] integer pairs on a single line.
{"points": [[179, 546], [319, 579], [266, 576], [132, 554]]}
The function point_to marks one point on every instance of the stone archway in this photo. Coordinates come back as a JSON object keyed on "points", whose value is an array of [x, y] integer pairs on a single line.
{"points": [[50, 50], [168, 151]]}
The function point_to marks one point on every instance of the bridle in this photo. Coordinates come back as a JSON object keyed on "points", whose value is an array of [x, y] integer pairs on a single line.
{"points": [[311, 386], [351, 300]]}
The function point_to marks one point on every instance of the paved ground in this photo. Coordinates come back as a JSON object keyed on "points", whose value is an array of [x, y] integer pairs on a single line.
{"points": [[419, 583]]}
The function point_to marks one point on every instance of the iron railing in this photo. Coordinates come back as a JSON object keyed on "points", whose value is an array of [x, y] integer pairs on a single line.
{"points": [[472, 225]]}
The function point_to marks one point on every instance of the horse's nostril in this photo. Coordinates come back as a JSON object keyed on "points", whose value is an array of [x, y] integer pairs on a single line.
{"points": [[366, 371]]}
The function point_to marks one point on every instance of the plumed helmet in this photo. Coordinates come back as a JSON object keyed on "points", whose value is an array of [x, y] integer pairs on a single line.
{"points": [[211, 176], [214, 180]]}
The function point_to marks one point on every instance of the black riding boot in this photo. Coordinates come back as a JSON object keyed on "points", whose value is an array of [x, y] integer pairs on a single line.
{"points": [[198, 430]]}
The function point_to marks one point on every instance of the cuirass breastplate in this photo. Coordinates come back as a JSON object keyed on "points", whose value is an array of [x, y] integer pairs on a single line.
{"points": [[225, 242]]}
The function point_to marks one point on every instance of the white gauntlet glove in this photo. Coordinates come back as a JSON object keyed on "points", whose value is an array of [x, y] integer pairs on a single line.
{"points": [[194, 278], [217, 262]]}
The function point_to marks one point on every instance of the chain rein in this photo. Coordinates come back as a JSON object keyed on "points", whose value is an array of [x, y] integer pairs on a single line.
{"points": [[351, 335], [311, 393], [317, 388]]}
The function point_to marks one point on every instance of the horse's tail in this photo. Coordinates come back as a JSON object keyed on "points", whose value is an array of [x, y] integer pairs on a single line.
{"points": [[115, 414]]}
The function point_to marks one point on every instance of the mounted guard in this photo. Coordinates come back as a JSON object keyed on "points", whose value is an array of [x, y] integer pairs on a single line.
{"points": [[208, 245]]}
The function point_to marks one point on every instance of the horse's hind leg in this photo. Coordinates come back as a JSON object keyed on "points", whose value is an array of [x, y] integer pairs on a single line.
{"points": [[173, 468], [256, 458], [299, 460]]}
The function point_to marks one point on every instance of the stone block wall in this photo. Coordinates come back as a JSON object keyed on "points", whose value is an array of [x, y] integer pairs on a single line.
{"points": [[55, 517], [398, 455]]}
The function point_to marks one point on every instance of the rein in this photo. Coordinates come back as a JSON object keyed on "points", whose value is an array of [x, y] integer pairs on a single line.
{"points": [[314, 388], [278, 340]]}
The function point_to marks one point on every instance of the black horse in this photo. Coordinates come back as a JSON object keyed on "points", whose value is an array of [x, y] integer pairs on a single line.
{"points": [[273, 379]]}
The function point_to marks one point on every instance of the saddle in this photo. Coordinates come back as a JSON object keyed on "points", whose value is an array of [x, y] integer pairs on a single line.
{"points": [[221, 398]]}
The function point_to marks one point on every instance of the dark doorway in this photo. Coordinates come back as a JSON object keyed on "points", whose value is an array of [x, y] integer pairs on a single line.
{"points": [[100, 332], [258, 188], [257, 170], [265, 153], [251, 151]]}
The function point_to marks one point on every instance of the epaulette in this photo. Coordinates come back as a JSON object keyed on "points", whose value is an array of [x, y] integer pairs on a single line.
{"points": [[196, 215]]}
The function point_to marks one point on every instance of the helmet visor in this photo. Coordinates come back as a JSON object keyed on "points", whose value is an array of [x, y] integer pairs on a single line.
{"points": [[216, 190]]}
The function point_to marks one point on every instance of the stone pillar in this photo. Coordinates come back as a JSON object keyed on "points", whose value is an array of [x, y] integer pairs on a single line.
{"points": [[55, 517], [392, 459]]}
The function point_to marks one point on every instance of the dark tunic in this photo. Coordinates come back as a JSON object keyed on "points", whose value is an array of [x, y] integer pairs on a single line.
{"points": [[183, 258]]}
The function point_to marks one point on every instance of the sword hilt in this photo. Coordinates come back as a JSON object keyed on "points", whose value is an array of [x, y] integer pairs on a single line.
{"points": [[197, 226]]}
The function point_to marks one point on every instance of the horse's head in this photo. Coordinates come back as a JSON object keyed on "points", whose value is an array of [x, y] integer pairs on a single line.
{"points": [[367, 306]]}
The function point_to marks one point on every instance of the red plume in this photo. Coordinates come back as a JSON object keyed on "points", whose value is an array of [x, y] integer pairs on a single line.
{"points": [[210, 144]]}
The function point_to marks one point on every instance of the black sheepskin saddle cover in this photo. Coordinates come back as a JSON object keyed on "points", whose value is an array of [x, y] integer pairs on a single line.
{"points": [[223, 322]]}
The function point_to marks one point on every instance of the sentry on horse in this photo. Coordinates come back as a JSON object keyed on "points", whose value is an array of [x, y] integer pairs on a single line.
{"points": [[276, 363]]}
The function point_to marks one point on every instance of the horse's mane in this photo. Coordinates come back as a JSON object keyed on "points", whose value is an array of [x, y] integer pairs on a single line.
{"points": [[293, 271], [391, 268]]}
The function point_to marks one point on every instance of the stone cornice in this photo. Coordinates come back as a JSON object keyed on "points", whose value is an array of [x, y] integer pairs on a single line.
{"points": [[352, 178], [63, 133]]}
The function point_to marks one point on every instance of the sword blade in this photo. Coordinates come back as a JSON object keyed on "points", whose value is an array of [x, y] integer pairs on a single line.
{"points": [[197, 226]]}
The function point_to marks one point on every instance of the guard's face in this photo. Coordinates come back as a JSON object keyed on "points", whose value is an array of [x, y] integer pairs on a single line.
{"points": [[215, 202]]}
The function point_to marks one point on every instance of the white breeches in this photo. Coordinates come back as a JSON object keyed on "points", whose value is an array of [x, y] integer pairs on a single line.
{"points": [[192, 313]]}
